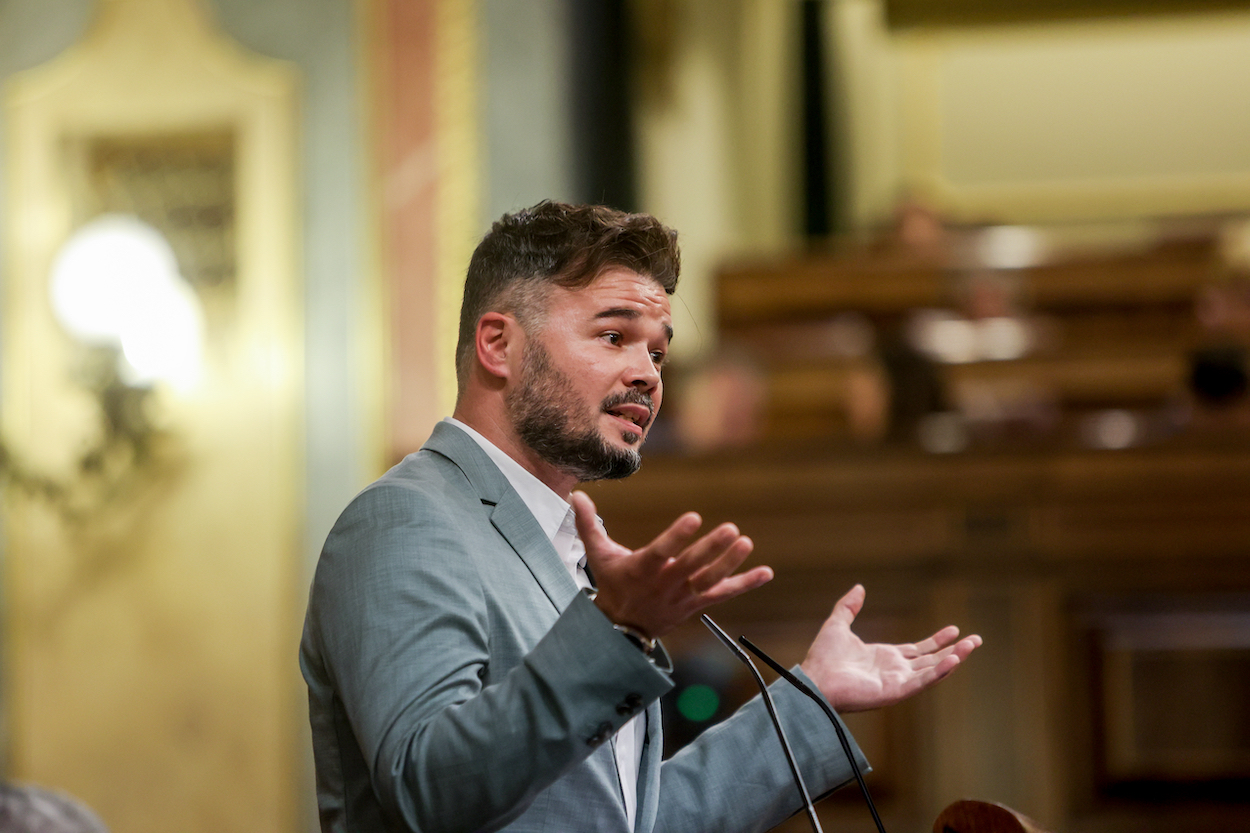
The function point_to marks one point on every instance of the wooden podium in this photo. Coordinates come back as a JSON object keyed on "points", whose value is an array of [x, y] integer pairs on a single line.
{"points": [[984, 817]]}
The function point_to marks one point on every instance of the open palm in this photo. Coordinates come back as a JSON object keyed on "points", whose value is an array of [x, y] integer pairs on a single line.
{"points": [[856, 676]]}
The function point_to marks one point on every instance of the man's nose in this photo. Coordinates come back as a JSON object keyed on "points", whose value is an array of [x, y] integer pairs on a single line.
{"points": [[643, 373]]}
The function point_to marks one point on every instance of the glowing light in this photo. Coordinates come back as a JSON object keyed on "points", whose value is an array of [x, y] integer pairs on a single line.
{"points": [[697, 703], [116, 283], [1011, 247], [950, 338], [1112, 429], [1003, 338], [944, 336], [167, 345]]}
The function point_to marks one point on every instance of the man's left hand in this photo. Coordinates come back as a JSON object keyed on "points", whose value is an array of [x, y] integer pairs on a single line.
{"points": [[657, 587], [857, 676]]}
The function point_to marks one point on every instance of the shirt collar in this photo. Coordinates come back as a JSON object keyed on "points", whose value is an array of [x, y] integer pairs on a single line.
{"points": [[547, 507]]}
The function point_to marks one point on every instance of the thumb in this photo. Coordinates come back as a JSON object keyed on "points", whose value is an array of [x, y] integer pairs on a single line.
{"points": [[588, 529], [849, 606]]}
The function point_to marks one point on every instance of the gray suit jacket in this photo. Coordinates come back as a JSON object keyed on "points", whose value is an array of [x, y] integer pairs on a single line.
{"points": [[458, 681]]}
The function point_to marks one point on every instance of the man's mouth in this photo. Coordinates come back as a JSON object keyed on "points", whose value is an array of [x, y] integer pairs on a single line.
{"points": [[639, 415]]}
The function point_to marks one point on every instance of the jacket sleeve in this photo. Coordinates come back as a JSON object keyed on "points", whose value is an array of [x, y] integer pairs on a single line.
{"points": [[734, 776], [400, 631]]}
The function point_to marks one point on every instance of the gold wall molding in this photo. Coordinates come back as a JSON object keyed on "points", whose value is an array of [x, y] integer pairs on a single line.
{"points": [[162, 679]]}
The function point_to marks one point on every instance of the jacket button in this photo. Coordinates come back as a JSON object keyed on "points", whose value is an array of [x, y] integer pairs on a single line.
{"points": [[602, 732], [631, 704]]}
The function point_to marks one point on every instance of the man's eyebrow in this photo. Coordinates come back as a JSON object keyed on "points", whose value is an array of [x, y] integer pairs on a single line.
{"points": [[629, 314], [619, 312]]}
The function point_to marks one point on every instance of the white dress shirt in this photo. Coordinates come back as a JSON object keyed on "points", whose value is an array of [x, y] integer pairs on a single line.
{"points": [[555, 515]]}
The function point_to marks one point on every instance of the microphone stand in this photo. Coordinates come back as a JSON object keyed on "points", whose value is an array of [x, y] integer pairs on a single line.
{"points": [[833, 718], [772, 712]]}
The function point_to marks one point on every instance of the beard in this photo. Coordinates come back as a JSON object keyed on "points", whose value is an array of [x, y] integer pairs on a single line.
{"points": [[551, 421]]}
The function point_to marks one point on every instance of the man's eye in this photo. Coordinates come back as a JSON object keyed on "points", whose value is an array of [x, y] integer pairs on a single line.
{"points": [[657, 356], [613, 338]]}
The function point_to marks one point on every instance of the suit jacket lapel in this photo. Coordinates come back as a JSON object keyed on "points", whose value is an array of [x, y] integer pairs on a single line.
{"points": [[516, 524], [509, 514]]}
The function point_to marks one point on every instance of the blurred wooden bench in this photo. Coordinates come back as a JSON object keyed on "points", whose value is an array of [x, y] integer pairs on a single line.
{"points": [[1119, 326], [984, 817]]}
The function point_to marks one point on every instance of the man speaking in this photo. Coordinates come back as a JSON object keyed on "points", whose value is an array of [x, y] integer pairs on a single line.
{"points": [[480, 655]]}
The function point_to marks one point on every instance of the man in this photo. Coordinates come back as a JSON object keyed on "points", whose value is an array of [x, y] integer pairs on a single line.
{"points": [[462, 674]]}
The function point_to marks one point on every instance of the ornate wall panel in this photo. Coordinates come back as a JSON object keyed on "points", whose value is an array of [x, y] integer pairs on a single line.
{"points": [[149, 632]]}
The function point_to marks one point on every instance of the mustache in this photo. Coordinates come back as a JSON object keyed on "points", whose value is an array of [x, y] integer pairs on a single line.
{"points": [[631, 397]]}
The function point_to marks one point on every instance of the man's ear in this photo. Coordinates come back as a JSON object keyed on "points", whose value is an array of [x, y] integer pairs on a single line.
{"points": [[497, 338]]}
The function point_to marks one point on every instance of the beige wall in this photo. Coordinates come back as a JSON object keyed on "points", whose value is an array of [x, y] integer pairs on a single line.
{"points": [[1049, 122], [716, 139]]}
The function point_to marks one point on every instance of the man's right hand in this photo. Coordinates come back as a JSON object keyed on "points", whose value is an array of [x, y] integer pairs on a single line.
{"points": [[657, 587]]}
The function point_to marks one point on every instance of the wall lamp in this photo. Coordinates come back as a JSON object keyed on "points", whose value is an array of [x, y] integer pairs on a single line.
{"points": [[116, 289]]}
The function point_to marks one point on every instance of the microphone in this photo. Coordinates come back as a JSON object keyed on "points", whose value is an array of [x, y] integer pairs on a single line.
{"points": [[772, 712], [833, 718]]}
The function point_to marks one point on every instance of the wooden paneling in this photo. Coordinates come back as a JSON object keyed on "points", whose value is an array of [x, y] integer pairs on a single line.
{"points": [[1034, 550], [1109, 328]]}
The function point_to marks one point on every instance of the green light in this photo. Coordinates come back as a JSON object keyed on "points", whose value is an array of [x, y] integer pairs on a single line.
{"points": [[698, 703]]}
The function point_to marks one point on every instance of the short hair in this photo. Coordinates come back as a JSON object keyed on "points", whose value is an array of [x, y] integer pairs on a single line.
{"points": [[556, 244], [25, 808]]}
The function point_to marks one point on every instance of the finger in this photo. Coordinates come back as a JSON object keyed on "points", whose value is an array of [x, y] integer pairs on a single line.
{"points": [[926, 677], [966, 646], [961, 649], [848, 607], [719, 563], [583, 510], [736, 585], [942, 664], [671, 542], [948, 664], [931, 675], [930, 660], [588, 529], [708, 549], [937, 642]]}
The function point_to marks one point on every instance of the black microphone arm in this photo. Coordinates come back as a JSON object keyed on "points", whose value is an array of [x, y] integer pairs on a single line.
{"points": [[833, 718], [772, 712]]}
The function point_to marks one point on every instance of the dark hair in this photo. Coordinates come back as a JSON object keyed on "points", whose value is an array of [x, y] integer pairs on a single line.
{"points": [[1219, 375], [555, 244]]}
